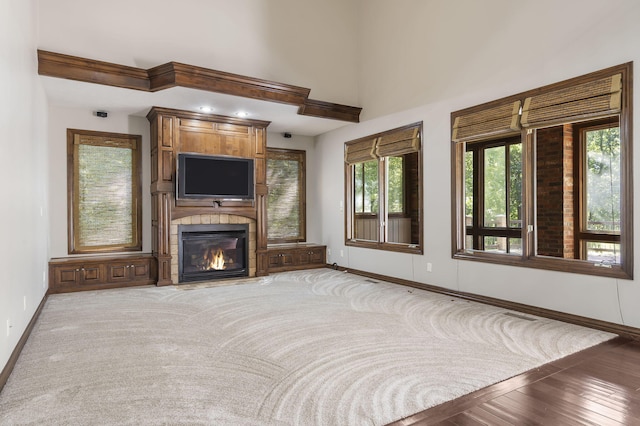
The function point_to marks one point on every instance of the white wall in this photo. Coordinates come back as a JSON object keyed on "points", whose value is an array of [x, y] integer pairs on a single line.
{"points": [[445, 56], [305, 143], [23, 172], [306, 43], [61, 119]]}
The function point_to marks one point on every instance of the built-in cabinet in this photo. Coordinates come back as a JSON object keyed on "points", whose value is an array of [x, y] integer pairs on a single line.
{"points": [[93, 273], [296, 256]]}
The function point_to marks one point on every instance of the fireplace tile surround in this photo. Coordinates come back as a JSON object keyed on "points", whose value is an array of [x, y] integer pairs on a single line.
{"points": [[214, 218]]}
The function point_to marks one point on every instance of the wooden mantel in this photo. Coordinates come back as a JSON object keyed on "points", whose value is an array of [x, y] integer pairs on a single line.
{"points": [[174, 131], [174, 74]]}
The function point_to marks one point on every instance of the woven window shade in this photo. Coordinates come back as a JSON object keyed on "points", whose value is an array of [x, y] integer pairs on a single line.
{"points": [[284, 202], [495, 121], [104, 186], [399, 143], [360, 151], [592, 99]]}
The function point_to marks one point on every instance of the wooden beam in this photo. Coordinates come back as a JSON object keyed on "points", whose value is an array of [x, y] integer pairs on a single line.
{"points": [[174, 74]]}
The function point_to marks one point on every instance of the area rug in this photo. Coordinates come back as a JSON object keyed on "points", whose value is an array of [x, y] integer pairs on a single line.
{"points": [[318, 347]]}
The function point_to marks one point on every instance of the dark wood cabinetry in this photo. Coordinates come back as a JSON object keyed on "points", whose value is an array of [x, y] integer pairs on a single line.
{"points": [[295, 256], [92, 273]]}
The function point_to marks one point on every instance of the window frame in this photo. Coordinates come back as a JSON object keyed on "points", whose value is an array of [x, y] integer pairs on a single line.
{"points": [[301, 157], [582, 234], [73, 215], [624, 270], [478, 229], [382, 242]]}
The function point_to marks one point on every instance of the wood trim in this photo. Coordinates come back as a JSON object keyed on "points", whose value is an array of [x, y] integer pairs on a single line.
{"points": [[322, 109], [175, 74], [133, 142], [91, 71], [621, 330], [179, 113], [8, 368]]}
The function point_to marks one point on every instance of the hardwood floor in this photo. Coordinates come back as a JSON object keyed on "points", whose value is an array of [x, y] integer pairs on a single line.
{"points": [[598, 386]]}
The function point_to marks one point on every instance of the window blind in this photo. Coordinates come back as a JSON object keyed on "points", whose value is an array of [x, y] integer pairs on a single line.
{"points": [[105, 193], [398, 143], [498, 120], [285, 202], [360, 150], [587, 100]]}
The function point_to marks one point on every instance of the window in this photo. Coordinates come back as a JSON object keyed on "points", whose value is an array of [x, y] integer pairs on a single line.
{"points": [[384, 190], [543, 179], [493, 205], [104, 192], [286, 200]]}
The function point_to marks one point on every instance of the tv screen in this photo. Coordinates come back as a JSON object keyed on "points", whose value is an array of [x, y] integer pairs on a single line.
{"points": [[206, 176]]}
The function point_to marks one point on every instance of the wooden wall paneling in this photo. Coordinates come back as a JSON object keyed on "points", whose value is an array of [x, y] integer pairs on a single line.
{"points": [[182, 131], [163, 255]]}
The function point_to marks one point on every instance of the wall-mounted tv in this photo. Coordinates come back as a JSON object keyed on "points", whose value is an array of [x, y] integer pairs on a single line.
{"points": [[201, 176]]}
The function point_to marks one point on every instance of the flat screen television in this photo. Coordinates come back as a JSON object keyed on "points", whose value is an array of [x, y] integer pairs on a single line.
{"points": [[215, 177]]}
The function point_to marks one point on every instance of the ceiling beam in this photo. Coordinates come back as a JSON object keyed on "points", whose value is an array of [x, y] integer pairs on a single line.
{"points": [[174, 74]]}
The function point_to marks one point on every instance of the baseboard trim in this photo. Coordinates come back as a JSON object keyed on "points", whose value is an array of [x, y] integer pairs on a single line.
{"points": [[621, 330], [8, 368]]}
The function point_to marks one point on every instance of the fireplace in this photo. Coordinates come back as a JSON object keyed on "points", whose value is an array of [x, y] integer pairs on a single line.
{"points": [[212, 251]]}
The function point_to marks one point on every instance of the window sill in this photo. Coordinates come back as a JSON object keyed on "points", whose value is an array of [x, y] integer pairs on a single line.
{"points": [[547, 263], [399, 248]]}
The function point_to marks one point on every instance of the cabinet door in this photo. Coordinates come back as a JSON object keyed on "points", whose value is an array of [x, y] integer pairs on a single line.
{"points": [[288, 258], [92, 274], [117, 272], [66, 275], [304, 256], [133, 270], [275, 260], [317, 256], [140, 270], [282, 259]]}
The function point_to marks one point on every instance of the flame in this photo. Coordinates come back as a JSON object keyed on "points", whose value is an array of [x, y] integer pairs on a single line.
{"points": [[214, 259]]}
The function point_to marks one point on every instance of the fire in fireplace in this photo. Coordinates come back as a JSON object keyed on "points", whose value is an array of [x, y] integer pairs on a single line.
{"points": [[211, 252]]}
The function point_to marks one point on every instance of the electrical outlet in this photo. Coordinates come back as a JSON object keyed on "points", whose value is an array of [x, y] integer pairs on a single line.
{"points": [[328, 252], [429, 267], [24, 303], [8, 327], [341, 253]]}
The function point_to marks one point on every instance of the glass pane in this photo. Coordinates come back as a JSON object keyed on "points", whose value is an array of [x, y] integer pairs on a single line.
{"points": [[603, 179], [105, 196], [395, 182], [403, 218], [468, 188], [495, 244], [515, 186], [495, 193], [468, 243], [598, 251], [366, 193], [515, 245], [358, 187], [283, 201]]}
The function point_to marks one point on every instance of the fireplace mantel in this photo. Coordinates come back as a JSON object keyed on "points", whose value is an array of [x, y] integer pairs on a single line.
{"points": [[174, 131]]}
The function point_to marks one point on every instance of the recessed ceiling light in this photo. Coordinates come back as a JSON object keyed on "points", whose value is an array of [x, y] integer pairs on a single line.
{"points": [[206, 109], [242, 114]]}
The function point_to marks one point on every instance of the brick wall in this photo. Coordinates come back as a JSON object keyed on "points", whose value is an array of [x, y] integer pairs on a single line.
{"points": [[555, 200]]}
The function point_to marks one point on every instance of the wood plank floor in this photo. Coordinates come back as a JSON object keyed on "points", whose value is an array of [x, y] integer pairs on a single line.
{"points": [[598, 386]]}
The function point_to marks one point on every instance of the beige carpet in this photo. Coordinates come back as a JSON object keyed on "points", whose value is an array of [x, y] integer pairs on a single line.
{"points": [[314, 347]]}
